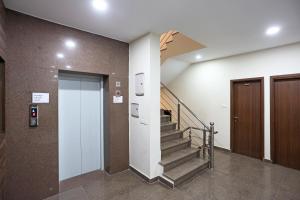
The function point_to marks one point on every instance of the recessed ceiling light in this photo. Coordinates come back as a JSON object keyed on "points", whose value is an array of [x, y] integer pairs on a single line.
{"points": [[198, 57], [100, 5], [70, 44], [68, 67], [60, 55], [273, 30]]}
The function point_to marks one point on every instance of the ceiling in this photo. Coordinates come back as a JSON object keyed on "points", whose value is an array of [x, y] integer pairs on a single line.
{"points": [[225, 27]]}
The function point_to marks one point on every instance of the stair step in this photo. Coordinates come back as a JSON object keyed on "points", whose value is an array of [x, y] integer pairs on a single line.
{"points": [[166, 181], [174, 145], [170, 135], [170, 39], [165, 118], [187, 170], [163, 47], [170, 144], [168, 126], [174, 159]]}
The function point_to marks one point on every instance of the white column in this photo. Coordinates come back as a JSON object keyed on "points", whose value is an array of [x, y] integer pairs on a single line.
{"points": [[144, 132]]}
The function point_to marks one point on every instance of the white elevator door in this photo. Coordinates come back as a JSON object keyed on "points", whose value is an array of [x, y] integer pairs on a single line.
{"points": [[79, 125]]}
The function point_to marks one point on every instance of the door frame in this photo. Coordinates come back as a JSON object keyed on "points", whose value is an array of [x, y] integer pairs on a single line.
{"points": [[262, 103], [103, 114], [272, 108]]}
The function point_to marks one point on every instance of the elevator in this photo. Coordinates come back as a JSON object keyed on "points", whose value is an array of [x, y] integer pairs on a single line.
{"points": [[80, 108]]}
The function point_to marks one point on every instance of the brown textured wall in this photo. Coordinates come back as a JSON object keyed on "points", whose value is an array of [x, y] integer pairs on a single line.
{"points": [[2, 135], [2, 167], [32, 66], [2, 34]]}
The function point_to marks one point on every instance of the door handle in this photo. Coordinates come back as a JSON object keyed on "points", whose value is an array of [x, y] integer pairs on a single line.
{"points": [[235, 118]]}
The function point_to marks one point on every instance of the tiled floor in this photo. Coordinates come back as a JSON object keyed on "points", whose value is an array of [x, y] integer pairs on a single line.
{"points": [[235, 177]]}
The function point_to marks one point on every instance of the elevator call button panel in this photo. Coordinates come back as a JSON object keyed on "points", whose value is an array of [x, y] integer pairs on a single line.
{"points": [[33, 115]]}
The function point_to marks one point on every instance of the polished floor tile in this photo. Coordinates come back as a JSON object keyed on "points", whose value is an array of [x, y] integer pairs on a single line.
{"points": [[73, 194], [235, 177]]}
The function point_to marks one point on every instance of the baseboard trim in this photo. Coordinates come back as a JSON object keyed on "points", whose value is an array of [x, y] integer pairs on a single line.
{"points": [[223, 149], [148, 180], [229, 151], [268, 161]]}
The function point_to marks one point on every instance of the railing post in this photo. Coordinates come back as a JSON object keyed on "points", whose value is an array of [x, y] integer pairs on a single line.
{"points": [[178, 115], [204, 144], [211, 145], [190, 136]]}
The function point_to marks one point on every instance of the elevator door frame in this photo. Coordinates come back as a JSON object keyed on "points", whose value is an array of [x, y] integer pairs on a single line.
{"points": [[79, 75]]}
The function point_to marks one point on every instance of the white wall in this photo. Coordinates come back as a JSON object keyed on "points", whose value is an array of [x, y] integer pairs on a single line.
{"points": [[144, 132], [205, 87], [171, 69]]}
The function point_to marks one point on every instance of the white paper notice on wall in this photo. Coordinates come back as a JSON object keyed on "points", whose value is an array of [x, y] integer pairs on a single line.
{"points": [[40, 97], [118, 99]]}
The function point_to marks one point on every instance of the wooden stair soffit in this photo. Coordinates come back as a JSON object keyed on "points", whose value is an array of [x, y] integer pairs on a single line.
{"points": [[167, 38], [174, 43]]}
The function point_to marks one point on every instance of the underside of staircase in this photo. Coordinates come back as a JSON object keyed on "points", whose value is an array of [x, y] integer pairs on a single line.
{"points": [[174, 43], [180, 160]]}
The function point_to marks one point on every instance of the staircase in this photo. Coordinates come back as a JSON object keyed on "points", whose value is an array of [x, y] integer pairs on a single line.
{"points": [[184, 152], [166, 38], [174, 43]]}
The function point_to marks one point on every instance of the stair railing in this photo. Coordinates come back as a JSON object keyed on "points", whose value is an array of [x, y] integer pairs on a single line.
{"points": [[189, 121]]}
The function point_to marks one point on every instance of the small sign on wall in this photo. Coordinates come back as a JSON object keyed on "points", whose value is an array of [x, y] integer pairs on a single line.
{"points": [[40, 97], [117, 99]]}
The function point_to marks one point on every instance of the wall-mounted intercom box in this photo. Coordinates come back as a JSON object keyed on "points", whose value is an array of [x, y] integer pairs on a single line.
{"points": [[33, 115], [139, 84]]}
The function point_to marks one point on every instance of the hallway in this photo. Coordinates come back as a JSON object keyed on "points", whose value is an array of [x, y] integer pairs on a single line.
{"points": [[235, 177], [99, 104]]}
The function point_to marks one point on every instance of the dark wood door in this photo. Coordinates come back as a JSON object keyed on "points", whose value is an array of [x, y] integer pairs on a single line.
{"points": [[286, 121], [247, 117]]}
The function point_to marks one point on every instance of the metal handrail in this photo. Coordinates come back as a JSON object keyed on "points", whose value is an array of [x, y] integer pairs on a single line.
{"points": [[207, 129], [186, 115], [181, 102], [196, 128]]}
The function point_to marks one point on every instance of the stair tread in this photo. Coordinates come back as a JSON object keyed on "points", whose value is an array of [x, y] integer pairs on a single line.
{"points": [[178, 155], [168, 123], [173, 143], [185, 168], [168, 133]]}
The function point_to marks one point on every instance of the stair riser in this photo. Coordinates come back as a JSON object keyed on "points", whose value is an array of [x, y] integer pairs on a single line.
{"points": [[165, 119], [164, 182], [190, 175], [175, 148], [168, 127], [171, 137], [179, 162]]}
